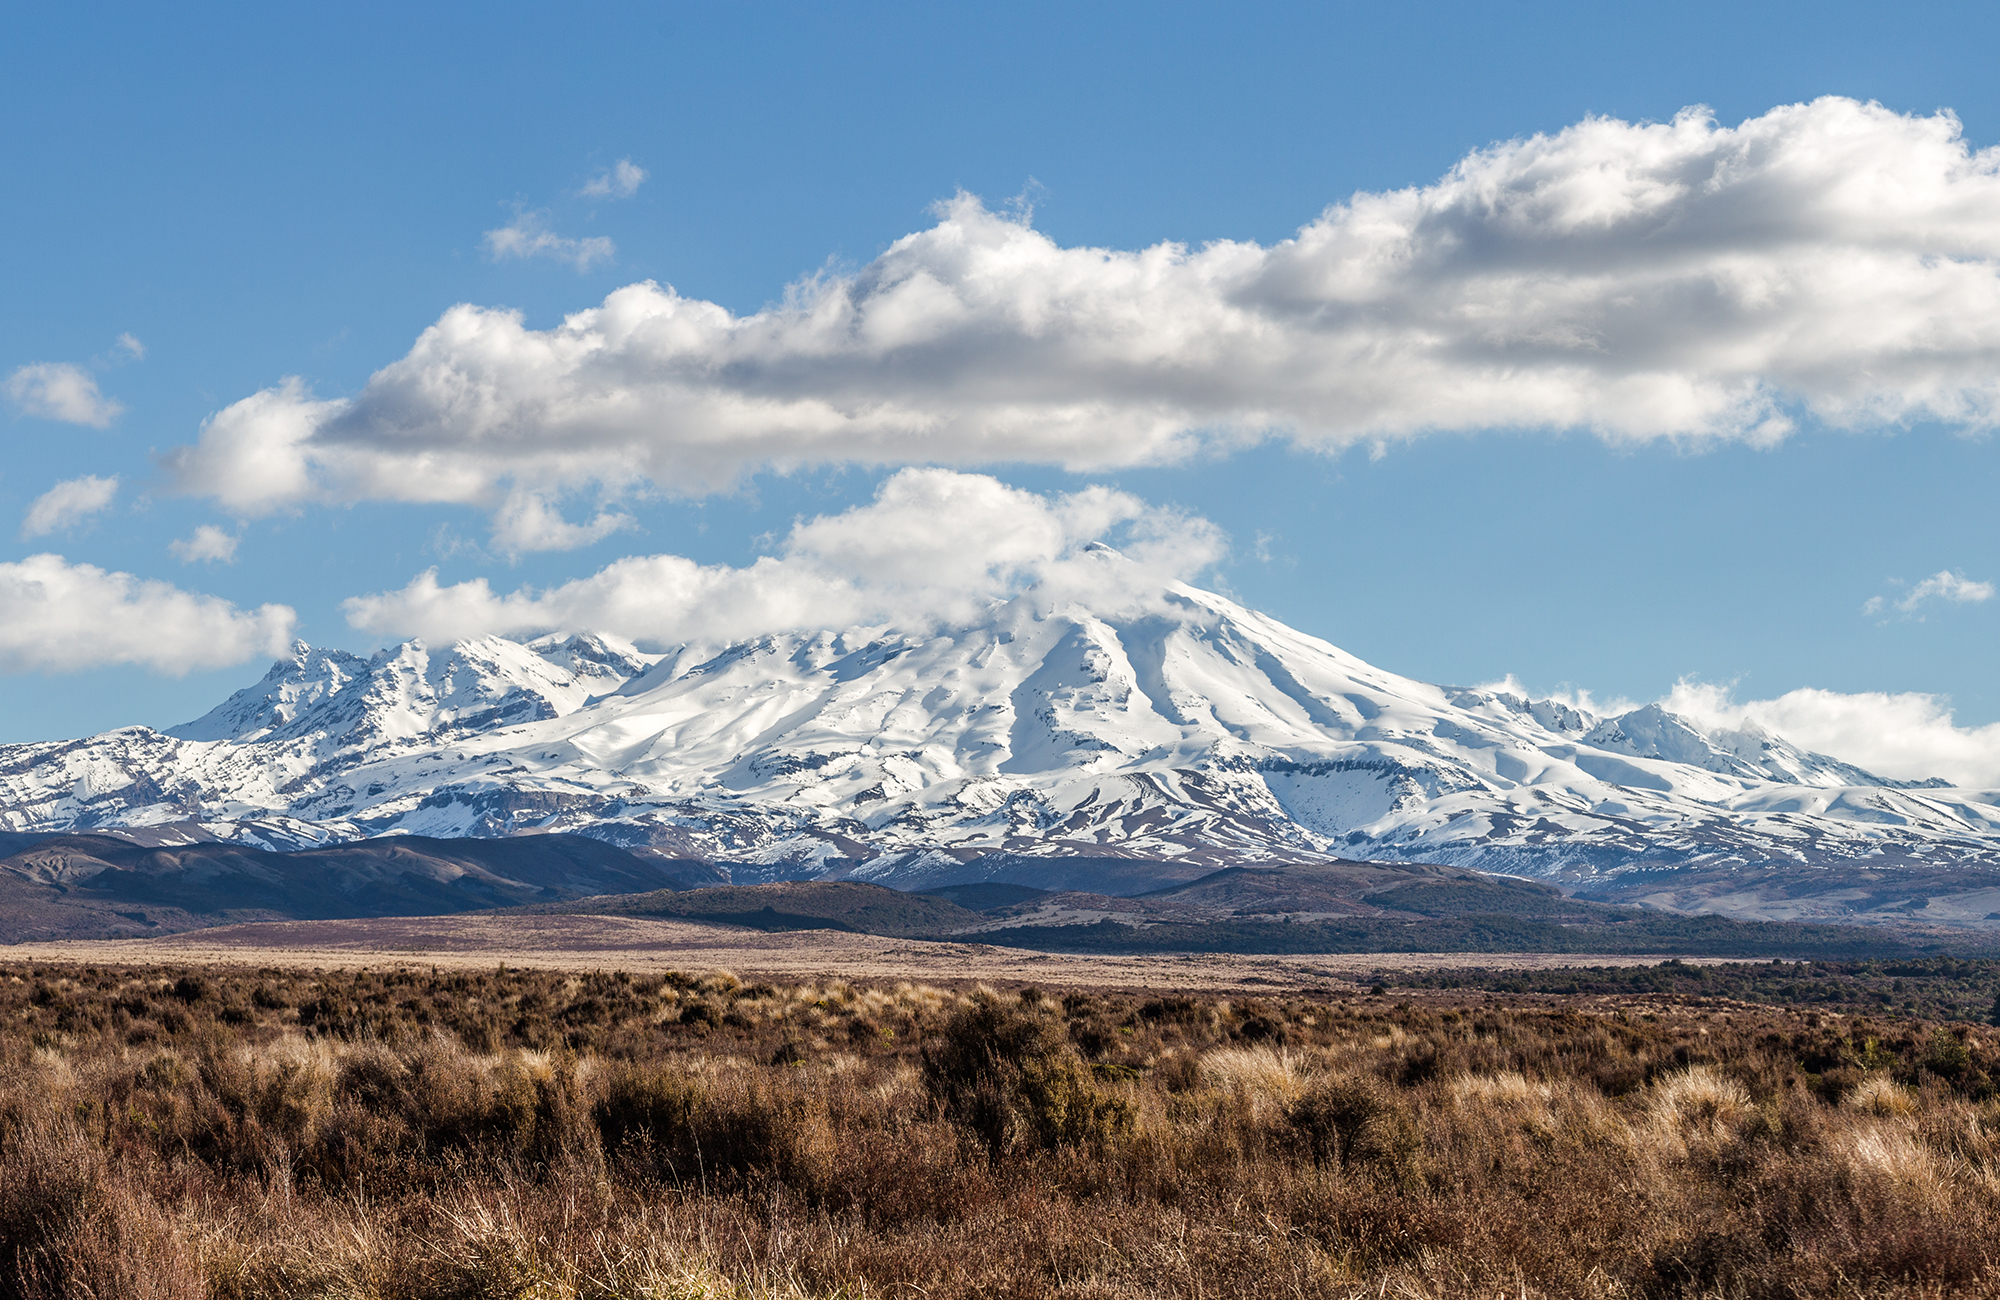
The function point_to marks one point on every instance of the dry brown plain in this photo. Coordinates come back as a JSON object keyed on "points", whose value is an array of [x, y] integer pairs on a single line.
{"points": [[578, 943], [403, 1133]]}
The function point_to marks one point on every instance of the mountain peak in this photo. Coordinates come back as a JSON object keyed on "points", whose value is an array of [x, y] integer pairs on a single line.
{"points": [[1179, 727], [290, 689]]}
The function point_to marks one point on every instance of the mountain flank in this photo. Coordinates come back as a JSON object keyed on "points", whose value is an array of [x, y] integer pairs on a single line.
{"points": [[1299, 909], [790, 905], [105, 886]]}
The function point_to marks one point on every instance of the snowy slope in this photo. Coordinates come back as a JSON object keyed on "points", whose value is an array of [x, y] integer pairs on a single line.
{"points": [[1185, 729]]}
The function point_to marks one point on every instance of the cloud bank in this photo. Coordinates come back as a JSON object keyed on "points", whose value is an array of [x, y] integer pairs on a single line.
{"points": [[56, 390], [1909, 736], [68, 504], [1682, 280], [58, 617], [934, 546]]}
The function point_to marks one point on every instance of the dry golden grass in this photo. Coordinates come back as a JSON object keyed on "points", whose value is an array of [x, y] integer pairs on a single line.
{"points": [[447, 1135]]}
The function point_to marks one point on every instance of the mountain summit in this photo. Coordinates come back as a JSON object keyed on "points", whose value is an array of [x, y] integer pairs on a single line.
{"points": [[1183, 731]]}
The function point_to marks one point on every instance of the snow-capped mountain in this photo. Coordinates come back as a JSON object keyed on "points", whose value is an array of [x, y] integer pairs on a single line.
{"points": [[1183, 729]]}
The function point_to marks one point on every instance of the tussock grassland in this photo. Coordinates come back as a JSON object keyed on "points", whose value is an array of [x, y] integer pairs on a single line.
{"points": [[178, 1134]]}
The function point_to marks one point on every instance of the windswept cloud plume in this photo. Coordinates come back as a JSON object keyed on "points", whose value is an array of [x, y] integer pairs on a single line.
{"points": [[1944, 585], [58, 617], [528, 235], [620, 182], [1576, 697], [1682, 280], [933, 547], [1910, 736], [68, 504], [208, 544], [56, 390]]}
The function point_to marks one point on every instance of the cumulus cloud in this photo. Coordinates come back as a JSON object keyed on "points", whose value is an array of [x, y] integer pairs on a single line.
{"points": [[1909, 736], [528, 235], [60, 617], [68, 504], [1682, 279], [933, 547], [132, 347], [253, 456], [1944, 585], [56, 390], [208, 544], [620, 182], [527, 522]]}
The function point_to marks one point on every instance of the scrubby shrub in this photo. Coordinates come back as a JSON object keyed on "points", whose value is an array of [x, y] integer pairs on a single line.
{"points": [[647, 1117], [192, 988], [1010, 1076], [1355, 1120]]}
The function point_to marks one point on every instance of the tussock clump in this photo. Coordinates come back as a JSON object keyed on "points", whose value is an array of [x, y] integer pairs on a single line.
{"points": [[1880, 1095], [1267, 1080], [1507, 1090], [72, 1225], [1697, 1104]]}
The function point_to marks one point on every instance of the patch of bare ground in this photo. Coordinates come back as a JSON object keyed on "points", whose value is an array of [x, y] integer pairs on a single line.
{"points": [[643, 945]]}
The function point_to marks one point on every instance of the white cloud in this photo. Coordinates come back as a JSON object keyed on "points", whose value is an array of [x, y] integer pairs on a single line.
{"points": [[56, 390], [207, 544], [59, 617], [1909, 736], [1680, 280], [68, 504], [529, 236], [255, 455], [132, 347], [1944, 585], [527, 522], [620, 182], [1575, 697], [933, 547]]}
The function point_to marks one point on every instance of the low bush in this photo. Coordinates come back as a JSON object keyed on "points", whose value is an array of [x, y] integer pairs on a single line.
{"points": [[1011, 1077]]}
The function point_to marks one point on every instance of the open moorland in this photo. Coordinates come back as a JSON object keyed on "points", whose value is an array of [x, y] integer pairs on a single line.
{"points": [[644, 945], [227, 1131]]}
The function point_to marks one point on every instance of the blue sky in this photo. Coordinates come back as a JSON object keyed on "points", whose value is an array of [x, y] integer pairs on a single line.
{"points": [[252, 194]]}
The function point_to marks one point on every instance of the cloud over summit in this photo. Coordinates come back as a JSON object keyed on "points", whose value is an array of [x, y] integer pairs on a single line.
{"points": [[934, 546], [1911, 735], [1682, 280]]}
